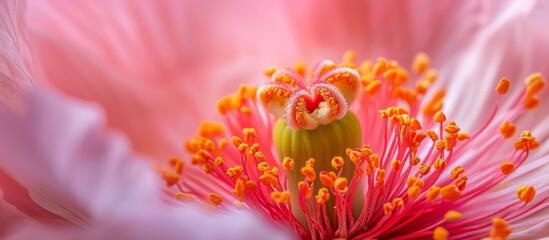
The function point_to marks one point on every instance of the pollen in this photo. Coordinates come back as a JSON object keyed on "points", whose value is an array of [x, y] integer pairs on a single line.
{"points": [[433, 193], [216, 199], [507, 168], [388, 208], [184, 197], [421, 63], [507, 129], [456, 171], [452, 215], [337, 162], [500, 229], [308, 172], [288, 164], [341, 184], [440, 117], [526, 193], [239, 188], [435, 104], [414, 192], [450, 192], [208, 129], [440, 233], [327, 179], [304, 188], [440, 164], [503, 86], [323, 196], [396, 164], [281, 197]]}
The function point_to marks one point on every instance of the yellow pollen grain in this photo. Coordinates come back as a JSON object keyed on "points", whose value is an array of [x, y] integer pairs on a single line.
{"points": [[323, 196], [450, 192], [503, 86], [440, 233], [507, 129], [337, 162], [216, 199], [452, 215], [507, 168], [500, 229], [414, 192], [308, 172], [288, 164], [184, 197], [421, 62], [526, 193], [340, 184], [433, 193]]}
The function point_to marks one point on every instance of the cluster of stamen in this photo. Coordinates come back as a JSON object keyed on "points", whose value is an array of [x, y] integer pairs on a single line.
{"points": [[412, 163]]}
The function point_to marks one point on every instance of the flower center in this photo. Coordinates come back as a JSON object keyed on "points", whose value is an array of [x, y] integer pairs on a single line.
{"points": [[356, 151]]}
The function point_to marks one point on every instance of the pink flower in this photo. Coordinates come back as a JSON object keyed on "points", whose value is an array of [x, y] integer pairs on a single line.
{"points": [[146, 62]]}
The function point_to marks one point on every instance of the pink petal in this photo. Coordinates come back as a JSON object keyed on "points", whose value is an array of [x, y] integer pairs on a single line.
{"points": [[14, 53]]}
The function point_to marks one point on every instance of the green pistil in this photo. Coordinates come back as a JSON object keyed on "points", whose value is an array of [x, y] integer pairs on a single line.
{"points": [[322, 144]]}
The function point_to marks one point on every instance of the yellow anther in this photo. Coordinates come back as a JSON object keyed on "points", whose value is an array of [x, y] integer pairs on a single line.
{"points": [[222, 143], [450, 192], [390, 75], [208, 167], [242, 147], [249, 134], [281, 197], [251, 185], [288, 164], [239, 188], [440, 164], [337, 162], [177, 164], [414, 192], [463, 136], [326, 179], [373, 87], [440, 145], [310, 163], [433, 193], [503, 86], [535, 83], [322, 196], [268, 179], [263, 166], [216, 199], [526, 138], [507, 168], [415, 160], [236, 141], [415, 125], [374, 159], [354, 156], [260, 156], [170, 177], [308, 172], [398, 203], [340, 184], [452, 128], [396, 164], [380, 66], [424, 169], [414, 181], [500, 229], [526, 193], [184, 197], [440, 233], [380, 176], [270, 71], [208, 129], [432, 135], [452, 215], [218, 161], [507, 129], [388, 208], [440, 117], [461, 183], [435, 104], [456, 171], [234, 172], [421, 62], [304, 188], [254, 148], [204, 154]]}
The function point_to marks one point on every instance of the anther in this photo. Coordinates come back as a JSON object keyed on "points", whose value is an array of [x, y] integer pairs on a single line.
{"points": [[507, 129], [439, 164], [326, 179], [337, 162], [388, 208], [322, 196], [440, 117], [500, 229], [456, 171], [433, 193], [420, 63], [184, 197], [452, 215], [440, 233], [288, 164], [216, 199], [414, 192], [526, 193], [340, 184], [281, 197], [304, 188], [396, 164], [308, 172], [503, 86], [507, 168], [450, 192]]}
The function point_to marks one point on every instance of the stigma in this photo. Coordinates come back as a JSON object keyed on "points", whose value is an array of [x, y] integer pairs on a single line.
{"points": [[364, 150]]}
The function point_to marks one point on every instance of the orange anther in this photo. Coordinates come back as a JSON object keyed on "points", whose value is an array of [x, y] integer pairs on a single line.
{"points": [[452, 128], [500, 229], [432, 135], [322, 196], [260, 156], [531, 102], [440, 145], [452, 215], [236, 141], [440, 117], [281, 197], [251, 185], [218, 161], [310, 163], [210, 129], [373, 87], [503, 86], [450, 192], [268, 179], [326, 179], [374, 159], [421, 62], [337, 162], [526, 193], [463, 136], [424, 169], [380, 176], [433, 193], [396, 164], [340, 184], [456, 171], [304, 188], [308, 172], [184, 197], [507, 129], [216, 199], [439, 164], [388, 208], [239, 188], [461, 183], [440, 233], [535, 83], [415, 160], [288, 164], [234, 172], [414, 192], [507, 168]]}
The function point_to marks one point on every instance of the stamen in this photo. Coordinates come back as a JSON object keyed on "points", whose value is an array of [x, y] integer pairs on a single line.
{"points": [[421, 63], [507, 168], [440, 233], [500, 229], [450, 192], [185, 197], [452, 215], [216, 199], [503, 86], [526, 193]]}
